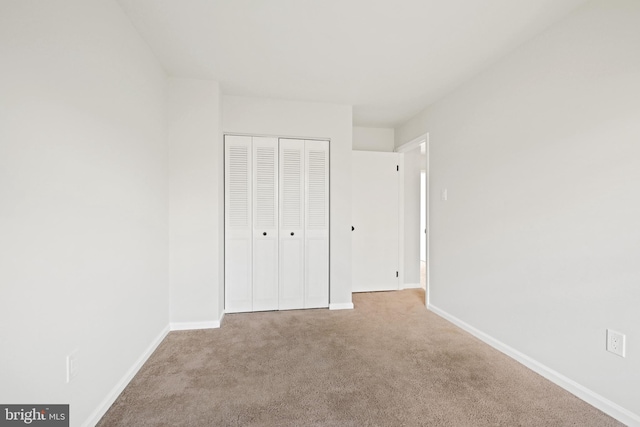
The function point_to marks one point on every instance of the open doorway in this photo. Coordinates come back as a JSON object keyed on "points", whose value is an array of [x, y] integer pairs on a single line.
{"points": [[411, 202], [423, 229], [416, 223]]}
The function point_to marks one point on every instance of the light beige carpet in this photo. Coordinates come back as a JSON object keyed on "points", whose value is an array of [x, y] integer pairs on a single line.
{"points": [[389, 362]]}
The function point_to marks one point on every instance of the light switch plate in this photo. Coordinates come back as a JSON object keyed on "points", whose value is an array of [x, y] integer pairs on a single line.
{"points": [[72, 365]]}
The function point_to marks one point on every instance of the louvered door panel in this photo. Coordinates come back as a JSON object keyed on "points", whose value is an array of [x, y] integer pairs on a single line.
{"points": [[316, 224], [238, 226], [265, 224], [291, 224]]}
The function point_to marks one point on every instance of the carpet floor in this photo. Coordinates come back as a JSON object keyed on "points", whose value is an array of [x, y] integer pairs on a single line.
{"points": [[389, 362]]}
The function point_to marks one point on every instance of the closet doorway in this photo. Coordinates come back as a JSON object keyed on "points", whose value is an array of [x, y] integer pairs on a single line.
{"points": [[276, 223]]}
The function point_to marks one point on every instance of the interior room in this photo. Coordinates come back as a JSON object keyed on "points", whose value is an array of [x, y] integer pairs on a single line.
{"points": [[195, 169]]}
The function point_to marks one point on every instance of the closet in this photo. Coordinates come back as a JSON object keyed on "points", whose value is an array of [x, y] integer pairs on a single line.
{"points": [[276, 223]]}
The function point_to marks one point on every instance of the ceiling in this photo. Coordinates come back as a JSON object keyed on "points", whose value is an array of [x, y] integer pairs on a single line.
{"points": [[389, 59]]}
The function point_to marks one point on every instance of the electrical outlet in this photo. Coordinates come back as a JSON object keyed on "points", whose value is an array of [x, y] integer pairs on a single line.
{"points": [[616, 342], [72, 365]]}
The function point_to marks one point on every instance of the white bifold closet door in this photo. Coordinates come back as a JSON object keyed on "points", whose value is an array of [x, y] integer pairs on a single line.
{"points": [[265, 224], [292, 236], [238, 224], [304, 224], [276, 224], [316, 224]]}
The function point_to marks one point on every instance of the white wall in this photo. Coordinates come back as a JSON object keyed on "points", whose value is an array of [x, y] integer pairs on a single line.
{"points": [[373, 139], [83, 201], [538, 245], [195, 151], [313, 120], [412, 167]]}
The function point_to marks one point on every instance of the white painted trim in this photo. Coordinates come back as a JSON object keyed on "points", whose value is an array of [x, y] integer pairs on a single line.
{"points": [[605, 405], [188, 326], [261, 135], [428, 239], [341, 306], [414, 143], [411, 286], [104, 406]]}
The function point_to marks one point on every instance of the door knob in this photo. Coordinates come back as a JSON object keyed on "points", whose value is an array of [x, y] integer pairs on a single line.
{"points": [[292, 233], [352, 228], [264, 234]]}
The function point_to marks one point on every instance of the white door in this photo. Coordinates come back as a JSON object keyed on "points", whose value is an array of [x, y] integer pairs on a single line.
{"points": [[265, 223], [316, 224], [238, 222], [291, 224], [375, 212]]}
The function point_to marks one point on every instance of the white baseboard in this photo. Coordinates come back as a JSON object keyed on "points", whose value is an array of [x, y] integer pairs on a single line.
{"points": [[411, 286], [124, 381], [341, 306], [188, 326], [605, 405]]}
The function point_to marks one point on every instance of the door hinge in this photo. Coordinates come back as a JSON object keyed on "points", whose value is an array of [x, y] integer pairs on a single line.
{"points": [[396, 274]]}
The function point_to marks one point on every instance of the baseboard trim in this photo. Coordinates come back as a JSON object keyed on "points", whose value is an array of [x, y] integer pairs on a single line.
{"points": [[124, 381], [411, 286], [188, 326], [605, 405], [341, 306]]}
